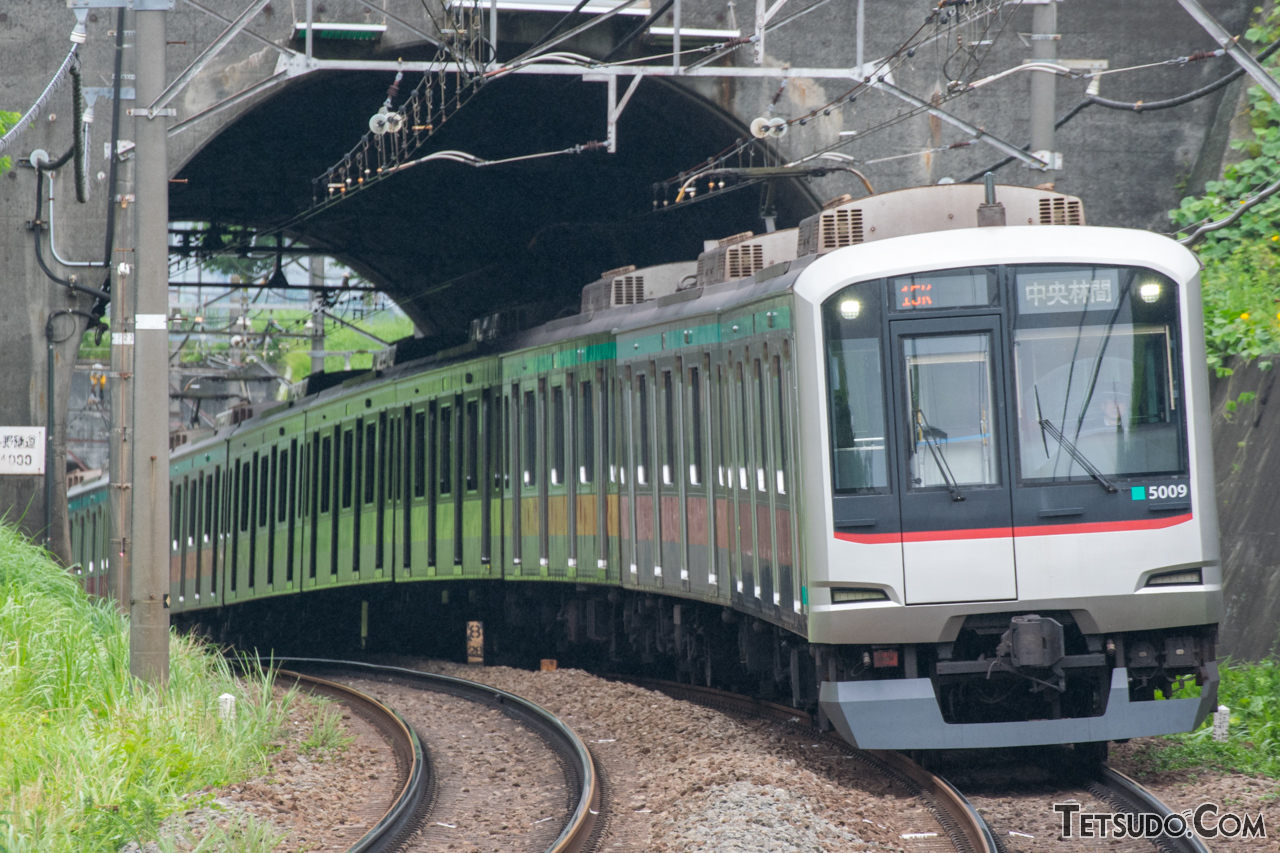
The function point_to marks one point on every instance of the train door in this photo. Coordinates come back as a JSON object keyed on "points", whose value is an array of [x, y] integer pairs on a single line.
{"points": [[560, 488], [447, 550], [369, 513], [699, 512], [722, 484], [471, 492], [670, 475], [957, 513], [420, 494], [586, 543], [494, 475], [345, 508]]}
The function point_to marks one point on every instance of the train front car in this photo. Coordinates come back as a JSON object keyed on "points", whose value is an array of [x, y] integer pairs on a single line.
{"points": [[1011, 534]]}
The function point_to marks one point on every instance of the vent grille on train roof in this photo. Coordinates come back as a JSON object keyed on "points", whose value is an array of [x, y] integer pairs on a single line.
{"points": [[745, 259], [628, 289], [841, 228], [1060, 211]]}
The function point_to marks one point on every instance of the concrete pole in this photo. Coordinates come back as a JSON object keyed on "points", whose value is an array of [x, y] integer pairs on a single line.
{"points": [[1044, 48], [120, 463], [317, 313], [149, 631]]}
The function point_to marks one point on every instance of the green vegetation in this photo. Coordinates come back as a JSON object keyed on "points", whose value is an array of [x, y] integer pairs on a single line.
{"points": [[1252, 692], [1241, 279], [91, 759], [327, 733], [7, 120]]}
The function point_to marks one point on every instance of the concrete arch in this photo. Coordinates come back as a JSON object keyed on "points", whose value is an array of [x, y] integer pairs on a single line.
{"points": [[450, 241]]}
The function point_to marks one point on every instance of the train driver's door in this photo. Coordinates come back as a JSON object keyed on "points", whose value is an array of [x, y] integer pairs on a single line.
{"points": [[957, 516]]}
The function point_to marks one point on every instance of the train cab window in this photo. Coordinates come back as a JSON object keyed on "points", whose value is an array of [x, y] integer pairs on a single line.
{"points": [[669, 430], [1097, 369], [950, 410], [446, 450], [529, 459], [473, 446], [587, 469], [852, 322], [557, 436], [642, 393], [695, 415], [963, 288]]}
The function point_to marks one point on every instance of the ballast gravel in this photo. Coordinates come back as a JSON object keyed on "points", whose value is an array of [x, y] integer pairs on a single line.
{"points": [[682, 778]]}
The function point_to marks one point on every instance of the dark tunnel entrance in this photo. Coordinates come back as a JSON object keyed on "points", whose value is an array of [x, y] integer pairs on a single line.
{"points": [[451, 242]]}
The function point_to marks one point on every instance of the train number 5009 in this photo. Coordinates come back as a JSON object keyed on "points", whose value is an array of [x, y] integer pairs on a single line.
{"points": [[1156, 493]]}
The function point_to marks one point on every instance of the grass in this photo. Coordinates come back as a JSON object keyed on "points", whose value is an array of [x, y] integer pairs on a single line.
{"points": [[1241, 313], [91, 758], [1252, 692], [327, 733]]}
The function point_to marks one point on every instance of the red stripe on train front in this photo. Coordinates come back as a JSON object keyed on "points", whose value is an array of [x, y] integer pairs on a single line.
{"points": [[1009, 532]]}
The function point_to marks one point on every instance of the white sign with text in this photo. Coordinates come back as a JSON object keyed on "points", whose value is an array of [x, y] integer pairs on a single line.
{"points": [[21, 450]]}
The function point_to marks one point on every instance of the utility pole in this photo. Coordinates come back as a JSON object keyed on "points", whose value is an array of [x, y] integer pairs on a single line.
{"points": [[149, 587], [120, 466], [1044, 48], [316, 280]]}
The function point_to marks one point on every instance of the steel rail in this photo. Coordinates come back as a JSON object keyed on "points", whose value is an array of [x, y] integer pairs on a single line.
{"points": [[962, 822], [416, 795], [578, 832], [1119, 790]]}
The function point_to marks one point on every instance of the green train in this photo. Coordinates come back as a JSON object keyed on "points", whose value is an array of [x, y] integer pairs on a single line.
{"points": [[951, 485]]}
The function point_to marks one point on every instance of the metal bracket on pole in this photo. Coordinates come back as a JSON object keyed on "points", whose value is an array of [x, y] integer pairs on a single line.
{"points": [[214, 48], [615, 106], [763, 17], [1228, 43], [140, 112]]}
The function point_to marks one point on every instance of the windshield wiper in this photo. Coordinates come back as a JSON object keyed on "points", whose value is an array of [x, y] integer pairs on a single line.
{"points": [[938, 458], [1047, 426]]}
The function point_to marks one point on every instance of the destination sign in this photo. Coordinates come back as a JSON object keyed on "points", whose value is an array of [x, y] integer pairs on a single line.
{"points": [[951, 289], [1067, 291], [21, 450]]}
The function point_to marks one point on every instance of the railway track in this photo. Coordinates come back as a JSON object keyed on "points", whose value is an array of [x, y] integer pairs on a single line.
{"points": [[1020, 791], [412, 763], [966, 831], [457, 794]]}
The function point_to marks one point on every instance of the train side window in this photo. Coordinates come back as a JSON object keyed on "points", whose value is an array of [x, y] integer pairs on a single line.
{"points": [[557, 436], [348, 449], [695, 397], [266, 493], [473, 445], [174, 500], [587, 468], [208, 509], [762, 412], [529, 460], [326, 472], [193, 507], [781, 414], [669, 432], [419, 453], [250, 482], [722, 411], [740, 445], [282, 495], [370, 461], [855, 389], [502, 473], [446, 450], [642, 392]]}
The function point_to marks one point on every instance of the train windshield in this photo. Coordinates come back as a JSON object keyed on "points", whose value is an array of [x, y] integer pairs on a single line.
{"points": [[1096, 356], [855, 377]]}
